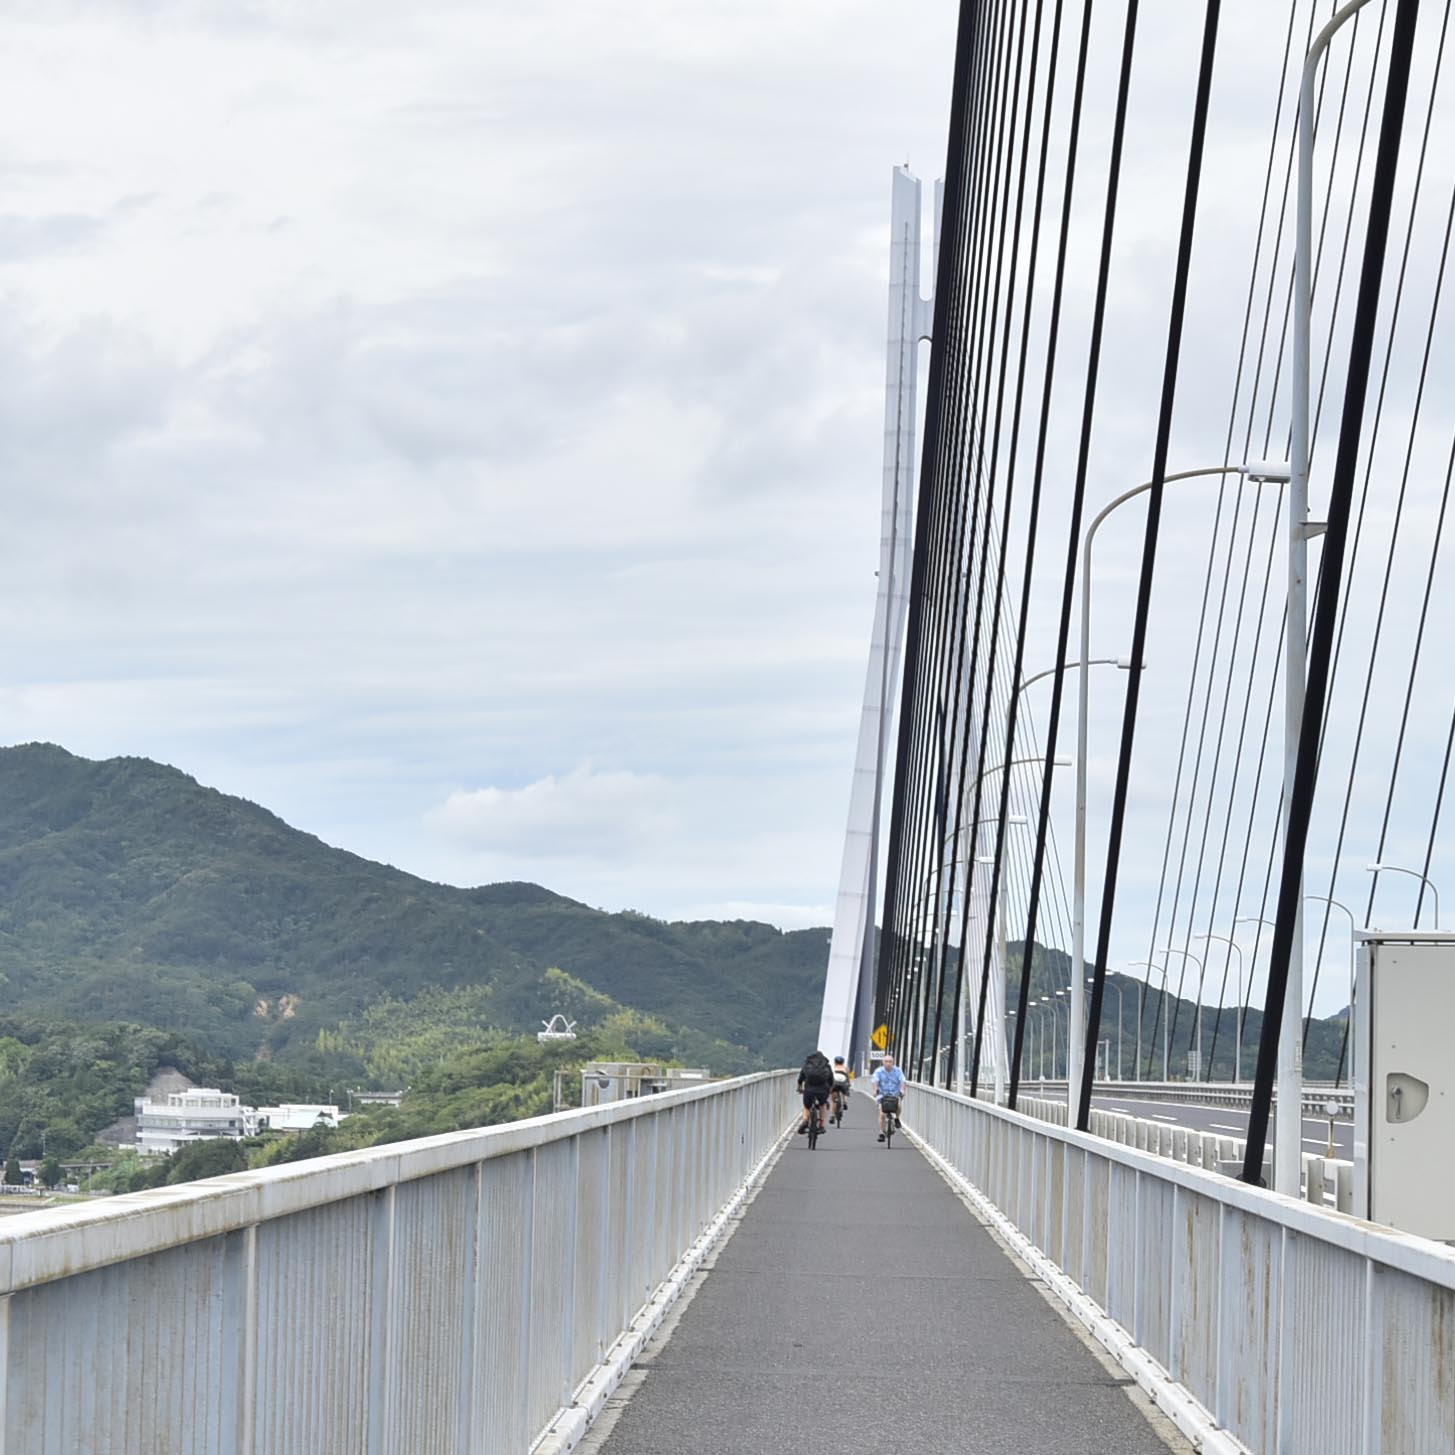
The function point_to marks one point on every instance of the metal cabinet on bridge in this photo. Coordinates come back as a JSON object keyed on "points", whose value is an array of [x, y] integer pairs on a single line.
{"points": [[1404, 1106]]}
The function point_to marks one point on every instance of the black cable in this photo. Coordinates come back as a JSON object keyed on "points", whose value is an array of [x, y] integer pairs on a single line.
{"points": [[886, 981], [1212, 15], [1053, 332]]}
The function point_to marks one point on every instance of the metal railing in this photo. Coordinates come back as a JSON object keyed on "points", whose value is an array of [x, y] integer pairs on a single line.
{"points": [[454, 1294], [1325, 1181], [1203, 1093], [1255, 1320]]}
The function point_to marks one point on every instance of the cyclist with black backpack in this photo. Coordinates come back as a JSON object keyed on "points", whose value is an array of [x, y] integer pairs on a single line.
{"points": [[815, 1082]]}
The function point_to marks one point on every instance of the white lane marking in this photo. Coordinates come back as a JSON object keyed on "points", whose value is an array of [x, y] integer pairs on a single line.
{"points": [[1157, 1116], [1226, 1127]]}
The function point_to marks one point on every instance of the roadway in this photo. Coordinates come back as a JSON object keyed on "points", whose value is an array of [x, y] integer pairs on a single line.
{"points": [[1228, 1121], [858, 1304]]}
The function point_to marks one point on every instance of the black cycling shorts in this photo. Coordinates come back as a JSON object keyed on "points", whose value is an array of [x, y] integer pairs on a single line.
{"points": [[816, 1095]]}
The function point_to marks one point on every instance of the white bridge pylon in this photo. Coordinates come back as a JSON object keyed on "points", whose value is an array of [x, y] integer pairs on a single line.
{"points": [[849, 984]]}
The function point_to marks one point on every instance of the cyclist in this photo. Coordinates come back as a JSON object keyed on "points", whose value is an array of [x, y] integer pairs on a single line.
{"points": [[815, 1082], [843, 1081], [888, 1092]]}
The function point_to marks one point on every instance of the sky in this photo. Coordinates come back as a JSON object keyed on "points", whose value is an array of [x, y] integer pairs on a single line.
{"points": [[457, 426]]}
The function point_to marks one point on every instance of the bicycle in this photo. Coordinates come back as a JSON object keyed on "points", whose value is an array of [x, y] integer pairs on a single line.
{"points": [[889, 1105], [815, 1125], [841, 1098]]}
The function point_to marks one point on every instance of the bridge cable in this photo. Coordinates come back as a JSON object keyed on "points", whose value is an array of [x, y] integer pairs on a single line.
{"points": [[1212, 15]]}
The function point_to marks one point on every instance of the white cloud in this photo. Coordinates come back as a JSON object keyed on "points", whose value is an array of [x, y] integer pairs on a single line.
{"points": [[583, 814]]}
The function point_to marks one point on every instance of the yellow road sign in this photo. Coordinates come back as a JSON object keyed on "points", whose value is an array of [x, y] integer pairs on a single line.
{"points": [[880, 1037]]}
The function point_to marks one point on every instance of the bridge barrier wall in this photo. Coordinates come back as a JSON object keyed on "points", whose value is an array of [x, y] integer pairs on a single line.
{"points": [[454, 1295], [1257, 1321], [1326, 1181]]}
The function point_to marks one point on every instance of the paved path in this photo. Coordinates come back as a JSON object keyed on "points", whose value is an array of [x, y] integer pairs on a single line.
{"points": [[967, 1354]]}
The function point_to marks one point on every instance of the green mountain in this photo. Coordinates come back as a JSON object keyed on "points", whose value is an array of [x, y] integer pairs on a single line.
{"points": [[128, 891]]}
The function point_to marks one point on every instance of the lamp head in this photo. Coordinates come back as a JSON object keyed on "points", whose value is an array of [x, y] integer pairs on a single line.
{"points": [[1273, 472]]}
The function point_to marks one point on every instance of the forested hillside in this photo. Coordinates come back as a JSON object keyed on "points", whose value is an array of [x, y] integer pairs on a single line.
{"points": [[129, 891], [147, 920]]}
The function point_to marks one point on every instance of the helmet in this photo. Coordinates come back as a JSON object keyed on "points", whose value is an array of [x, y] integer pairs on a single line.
{"points": [[838, 1060]]}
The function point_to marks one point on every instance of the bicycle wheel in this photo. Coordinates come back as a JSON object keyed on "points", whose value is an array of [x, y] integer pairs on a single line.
{"points": [[812, 1131], [888, 1132]]}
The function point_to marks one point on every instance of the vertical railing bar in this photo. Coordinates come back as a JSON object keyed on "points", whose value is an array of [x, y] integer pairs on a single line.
{"points": [[608, 1233], [466, 1419], [527, 1281], [381, 1321], [5, 1302], [1371, 1358], [1283, 1421], [568, 1332]]}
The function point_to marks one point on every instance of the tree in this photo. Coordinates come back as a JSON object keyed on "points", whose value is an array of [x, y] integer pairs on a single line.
{"points": [[50, 1172], [13, 1176], [212, 1158]]}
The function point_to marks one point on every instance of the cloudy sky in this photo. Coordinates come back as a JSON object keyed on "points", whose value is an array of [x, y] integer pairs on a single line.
{"points": [[457, 426]]}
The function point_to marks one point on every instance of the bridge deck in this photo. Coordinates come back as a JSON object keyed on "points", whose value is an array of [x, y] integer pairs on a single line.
{"points": [[966, 1351]]}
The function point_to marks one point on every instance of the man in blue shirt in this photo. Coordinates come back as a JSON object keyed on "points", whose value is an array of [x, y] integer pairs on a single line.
{"points": [[888, 1091]]}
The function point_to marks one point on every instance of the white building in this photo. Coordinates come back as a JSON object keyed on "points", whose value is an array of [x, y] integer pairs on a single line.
{"points": [[296, 1117], [199, 1114]]}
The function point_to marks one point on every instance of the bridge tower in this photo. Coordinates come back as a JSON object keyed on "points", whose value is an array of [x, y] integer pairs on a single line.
{"points": [[848, 987]]}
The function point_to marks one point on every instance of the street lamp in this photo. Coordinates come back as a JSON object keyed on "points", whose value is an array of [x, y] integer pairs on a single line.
{"points": [[1257, 473], [1055, 1003], [1120, 1002], [1165, 1034], [1050, 1011], [1036, 1009], [1383, 868], [1324, 899], [1173, 950], [1237, 1019], [1288, 1133], [1013, 820], [1122, 664]]}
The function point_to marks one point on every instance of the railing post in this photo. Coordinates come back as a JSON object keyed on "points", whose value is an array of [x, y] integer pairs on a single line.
{"points": [[381, 1319], [470, 1404], [568, 1321], [237, 1396]]}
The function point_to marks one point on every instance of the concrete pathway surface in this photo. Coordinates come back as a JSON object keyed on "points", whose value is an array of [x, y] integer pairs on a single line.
{"points": [[860, 1305]]}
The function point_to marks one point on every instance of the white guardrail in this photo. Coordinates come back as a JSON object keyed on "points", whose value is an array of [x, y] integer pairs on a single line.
{"points": [[1256, 1321], [477, 1292], [1325, 1181], [1316, 1098]]}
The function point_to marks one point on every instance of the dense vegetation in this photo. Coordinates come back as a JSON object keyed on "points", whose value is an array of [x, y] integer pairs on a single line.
{"points": [[497, 1078], [146, 920], [130, 892]]}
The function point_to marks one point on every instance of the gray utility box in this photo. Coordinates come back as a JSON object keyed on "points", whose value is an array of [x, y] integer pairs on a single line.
{"points": [[1404, 1081]]}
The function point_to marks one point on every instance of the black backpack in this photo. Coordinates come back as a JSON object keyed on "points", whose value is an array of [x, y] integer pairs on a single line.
{"points": [[817, 1071]]}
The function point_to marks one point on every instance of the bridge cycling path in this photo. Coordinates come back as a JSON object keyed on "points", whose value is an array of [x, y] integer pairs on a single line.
{"points": [[858, 1303]]}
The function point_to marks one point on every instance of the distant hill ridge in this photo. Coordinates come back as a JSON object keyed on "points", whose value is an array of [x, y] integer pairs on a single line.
{"points": [[130, 891]]}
